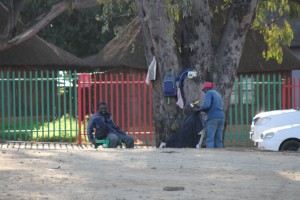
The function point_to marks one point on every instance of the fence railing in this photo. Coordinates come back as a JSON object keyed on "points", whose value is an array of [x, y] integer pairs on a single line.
{"points": [[38, 105], [251, 94], [129, 99], [55, 106]]}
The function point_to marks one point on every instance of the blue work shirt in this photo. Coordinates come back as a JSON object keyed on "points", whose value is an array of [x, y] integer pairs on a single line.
{"points": [[213, 105], [103, 125]]}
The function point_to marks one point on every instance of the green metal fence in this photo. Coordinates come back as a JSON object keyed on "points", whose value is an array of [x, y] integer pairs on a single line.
{"points": [[42, 105], [251, 94], [38, 105]]}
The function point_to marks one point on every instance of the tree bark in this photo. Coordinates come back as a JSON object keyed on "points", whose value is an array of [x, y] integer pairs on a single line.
{"points": [[197, 47], [158, 31], [15, 8], [229, 51]]}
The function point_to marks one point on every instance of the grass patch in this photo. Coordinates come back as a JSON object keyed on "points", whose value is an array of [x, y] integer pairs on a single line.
{"points": [[64, 129], [61, 130]]}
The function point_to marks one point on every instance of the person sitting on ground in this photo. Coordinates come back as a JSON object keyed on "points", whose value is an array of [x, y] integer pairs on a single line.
{"points": [[104, 127], [187, 136]]}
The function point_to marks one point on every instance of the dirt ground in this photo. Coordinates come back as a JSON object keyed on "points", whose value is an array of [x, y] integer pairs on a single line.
{"points": [[147, 173]]}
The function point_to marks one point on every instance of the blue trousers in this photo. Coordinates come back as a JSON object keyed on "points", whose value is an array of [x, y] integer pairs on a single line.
{"points": [[214, 133], [120, 135]]}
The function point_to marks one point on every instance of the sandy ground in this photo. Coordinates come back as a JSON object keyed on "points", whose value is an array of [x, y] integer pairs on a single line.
{"points": [[148, 173]]}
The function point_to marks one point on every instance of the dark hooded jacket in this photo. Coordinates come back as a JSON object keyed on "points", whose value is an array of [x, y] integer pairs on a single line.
{"points": [[187, 136], [103, 125]]}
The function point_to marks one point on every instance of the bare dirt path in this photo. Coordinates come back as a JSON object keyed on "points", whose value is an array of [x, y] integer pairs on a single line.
{"points": [[148, 173]]}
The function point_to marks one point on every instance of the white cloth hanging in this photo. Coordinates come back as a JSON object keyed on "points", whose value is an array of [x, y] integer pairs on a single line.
{"points": [[179, 99], [151, 74]]}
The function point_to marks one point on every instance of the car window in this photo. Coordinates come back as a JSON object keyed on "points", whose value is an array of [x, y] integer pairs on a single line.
{"points": [[262, 120]]}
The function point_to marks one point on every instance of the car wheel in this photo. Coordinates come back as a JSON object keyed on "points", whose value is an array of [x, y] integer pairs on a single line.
{"points": [[291, 145]]}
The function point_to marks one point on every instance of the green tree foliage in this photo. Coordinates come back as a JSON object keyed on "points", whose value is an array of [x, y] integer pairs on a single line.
{"points": [[82, 32], [271, 21]]}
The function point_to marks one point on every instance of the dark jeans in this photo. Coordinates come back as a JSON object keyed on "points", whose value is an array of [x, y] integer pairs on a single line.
{"points": [[120, 135], [214, 133]]}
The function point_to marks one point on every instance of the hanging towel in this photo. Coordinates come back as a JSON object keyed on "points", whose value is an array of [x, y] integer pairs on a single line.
{"points": [[151, 74], [179, 98]]}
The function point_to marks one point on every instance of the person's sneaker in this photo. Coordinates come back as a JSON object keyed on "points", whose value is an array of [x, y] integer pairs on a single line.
{"points": [[162, 145]]}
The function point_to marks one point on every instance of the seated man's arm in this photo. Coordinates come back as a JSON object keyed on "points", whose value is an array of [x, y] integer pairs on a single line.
{"points": [[102, 128], [90, 129], [113, 125]]}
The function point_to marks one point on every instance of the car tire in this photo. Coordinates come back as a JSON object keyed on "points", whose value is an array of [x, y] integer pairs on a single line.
{"points": [[291, 145]]}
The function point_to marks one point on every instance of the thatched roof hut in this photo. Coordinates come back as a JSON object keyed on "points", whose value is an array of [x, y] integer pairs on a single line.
{"points": [[127, 51], [253, 62]]}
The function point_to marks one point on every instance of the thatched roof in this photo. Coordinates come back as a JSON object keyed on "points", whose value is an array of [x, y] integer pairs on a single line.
{"points": [[36, 52], [129, 51], [252, 60]]}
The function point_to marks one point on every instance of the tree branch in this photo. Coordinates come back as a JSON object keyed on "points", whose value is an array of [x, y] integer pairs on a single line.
{"points": [[15, 7], [56, 10]]}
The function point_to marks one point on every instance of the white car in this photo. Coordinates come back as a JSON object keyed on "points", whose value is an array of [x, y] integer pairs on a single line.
{"points": [[284, 138], [272, 119]]}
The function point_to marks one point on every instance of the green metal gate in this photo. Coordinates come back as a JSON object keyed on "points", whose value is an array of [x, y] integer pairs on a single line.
{"points": [[38, 105], [251, 94]]}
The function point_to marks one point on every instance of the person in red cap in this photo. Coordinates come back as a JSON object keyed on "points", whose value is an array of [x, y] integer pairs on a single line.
{"points": [[213, 106]]}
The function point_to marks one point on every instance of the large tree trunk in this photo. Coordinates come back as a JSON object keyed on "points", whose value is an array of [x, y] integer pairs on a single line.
{"points": [[158, 31], [188, 43], [175, 50]]}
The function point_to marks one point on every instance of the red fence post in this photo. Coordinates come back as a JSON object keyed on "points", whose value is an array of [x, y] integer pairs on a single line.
{"points": [[139, 102], [145, 107], [289, 93], [117, 99], [128, 104], [133, 103], [150, 111], [100, 87], [293, 92], [123, 104], [106, 87], [95, 93], [284, 94], [111, 94], [79, 111], [298, 93]]}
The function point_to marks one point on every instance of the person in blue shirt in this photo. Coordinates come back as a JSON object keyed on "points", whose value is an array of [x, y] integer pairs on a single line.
{"points": [[213, 106], [104, 127]]}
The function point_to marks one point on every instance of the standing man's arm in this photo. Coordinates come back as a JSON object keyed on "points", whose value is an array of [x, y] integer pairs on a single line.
{"points": [[207, 102]]}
